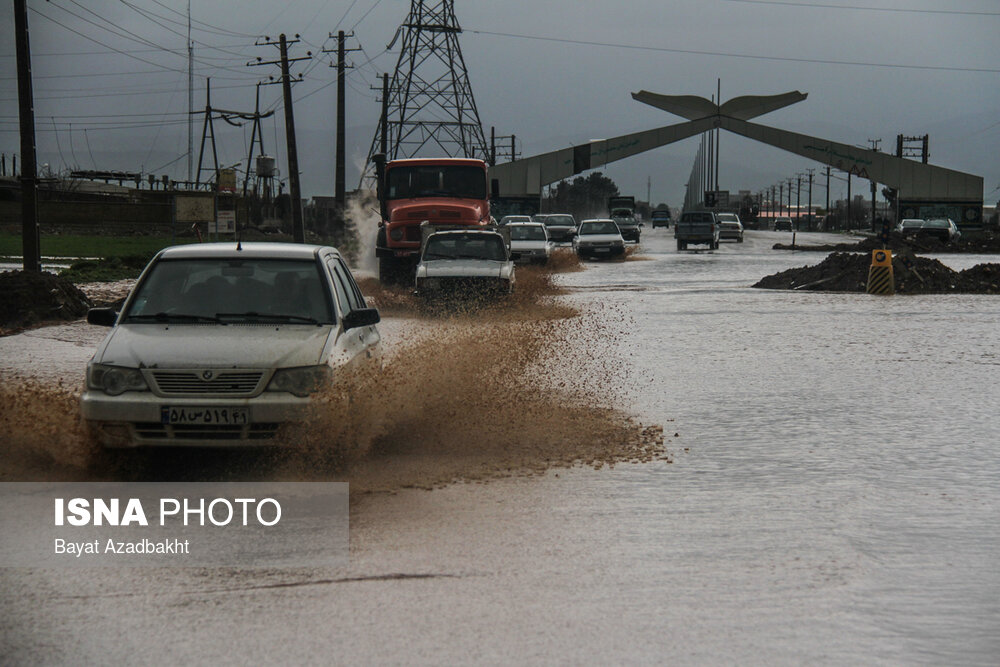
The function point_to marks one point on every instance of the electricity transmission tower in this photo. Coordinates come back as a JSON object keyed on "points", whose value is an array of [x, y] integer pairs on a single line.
{"points": [[429, 110]]}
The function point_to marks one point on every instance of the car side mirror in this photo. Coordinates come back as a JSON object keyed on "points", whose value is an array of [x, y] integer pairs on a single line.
{"points": [[361, 317], [104, 317]]}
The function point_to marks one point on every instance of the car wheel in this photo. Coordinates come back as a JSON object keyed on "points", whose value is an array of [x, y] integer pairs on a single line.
{"points": [[740, 239]]}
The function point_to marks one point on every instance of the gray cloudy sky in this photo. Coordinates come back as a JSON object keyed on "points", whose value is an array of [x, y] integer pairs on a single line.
{"points": [[111, 79]]}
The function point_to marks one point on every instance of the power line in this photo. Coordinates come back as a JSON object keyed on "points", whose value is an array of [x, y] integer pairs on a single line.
{"points": [[194, 23], [898, 10], [107, 46], [662, 49]]}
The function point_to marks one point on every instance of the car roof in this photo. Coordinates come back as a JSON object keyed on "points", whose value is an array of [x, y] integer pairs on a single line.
{"points": [[232, 249], [526, 223], [597, 220]]}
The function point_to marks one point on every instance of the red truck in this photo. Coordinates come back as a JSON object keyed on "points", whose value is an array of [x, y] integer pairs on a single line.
{"points": [[447, 192]]}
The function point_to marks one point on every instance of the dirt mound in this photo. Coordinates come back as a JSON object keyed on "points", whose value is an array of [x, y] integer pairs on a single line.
{"points": [[30, 298], [848, 272]]}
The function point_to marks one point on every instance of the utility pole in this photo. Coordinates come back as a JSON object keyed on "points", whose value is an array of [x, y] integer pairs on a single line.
{"points": [[781, 196], [810, 170], [340, 188], [875, 146], [798, 200], [30, 242], [849, 221], [828, 189], [298, 231]]}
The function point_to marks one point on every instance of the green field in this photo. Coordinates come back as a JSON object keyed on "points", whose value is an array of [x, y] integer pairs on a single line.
{"points": [[91, 246]]}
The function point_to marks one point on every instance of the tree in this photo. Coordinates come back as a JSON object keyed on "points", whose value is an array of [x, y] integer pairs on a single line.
{"points": [[584, 197]]}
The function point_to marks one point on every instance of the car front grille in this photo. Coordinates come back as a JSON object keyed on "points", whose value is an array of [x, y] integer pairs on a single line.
{"points": [[167, 432], [201, 383]]}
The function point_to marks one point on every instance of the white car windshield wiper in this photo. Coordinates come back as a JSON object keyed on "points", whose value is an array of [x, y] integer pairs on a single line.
{"points": [[172, 317], [270, 317]]}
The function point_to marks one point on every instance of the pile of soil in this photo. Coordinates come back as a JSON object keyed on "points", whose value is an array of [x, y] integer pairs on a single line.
{"points": [[848, 272], [982, 243], [30, 298]]}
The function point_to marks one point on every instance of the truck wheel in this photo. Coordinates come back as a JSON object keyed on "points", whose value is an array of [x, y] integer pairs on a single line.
{"points": [[387, 271], [393, 272], [680, 245]]}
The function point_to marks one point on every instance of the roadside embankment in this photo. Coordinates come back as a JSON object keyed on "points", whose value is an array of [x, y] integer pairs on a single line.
{"points": [[977, 243]]}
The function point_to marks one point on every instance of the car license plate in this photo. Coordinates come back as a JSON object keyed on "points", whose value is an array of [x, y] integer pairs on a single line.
{"points": [[202, 416], [602, 249]]}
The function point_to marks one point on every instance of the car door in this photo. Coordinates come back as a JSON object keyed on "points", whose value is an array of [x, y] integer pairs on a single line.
{"points": [[367, 338]]}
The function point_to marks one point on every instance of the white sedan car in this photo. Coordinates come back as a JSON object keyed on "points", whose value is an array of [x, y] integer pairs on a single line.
{"points": [[529, 242], [465, 264], [598, 238], [223, 343]]}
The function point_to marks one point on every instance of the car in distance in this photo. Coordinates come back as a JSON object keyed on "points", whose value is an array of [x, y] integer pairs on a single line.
{"points": [[599, 238], [507, 219], [782, 224], [529, 242], [697, 227], [661, 218], [730, 227], [942, 229], [224, 343], [464, 265], [561, 226]]}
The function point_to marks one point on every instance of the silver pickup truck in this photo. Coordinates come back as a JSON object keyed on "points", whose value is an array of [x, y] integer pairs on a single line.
{"points": [[697, 227]]}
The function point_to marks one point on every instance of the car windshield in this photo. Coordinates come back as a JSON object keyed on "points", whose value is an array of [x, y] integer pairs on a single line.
{"points": [[527, 233], [598, 228], [937, 224], [409, 182], [465, 246], [561, 220], [223, 290], [727, 217]]}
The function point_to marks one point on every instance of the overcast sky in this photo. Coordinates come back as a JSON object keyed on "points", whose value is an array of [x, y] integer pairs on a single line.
{"points": [[560, 74]]}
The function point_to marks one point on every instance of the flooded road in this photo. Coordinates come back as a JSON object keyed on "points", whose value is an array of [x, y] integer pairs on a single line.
{"points": [[830, 497]]}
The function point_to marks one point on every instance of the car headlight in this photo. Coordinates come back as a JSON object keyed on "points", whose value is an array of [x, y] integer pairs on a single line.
{"points": [[115, 380], [301, 381], [396, 234]]}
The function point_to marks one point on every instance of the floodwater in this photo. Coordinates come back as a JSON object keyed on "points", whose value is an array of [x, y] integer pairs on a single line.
{"points": [[827, 494]]}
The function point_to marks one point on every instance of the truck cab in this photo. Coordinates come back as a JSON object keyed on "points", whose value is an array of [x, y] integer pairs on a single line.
{"points": [[439, 191], [622, 211]]}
